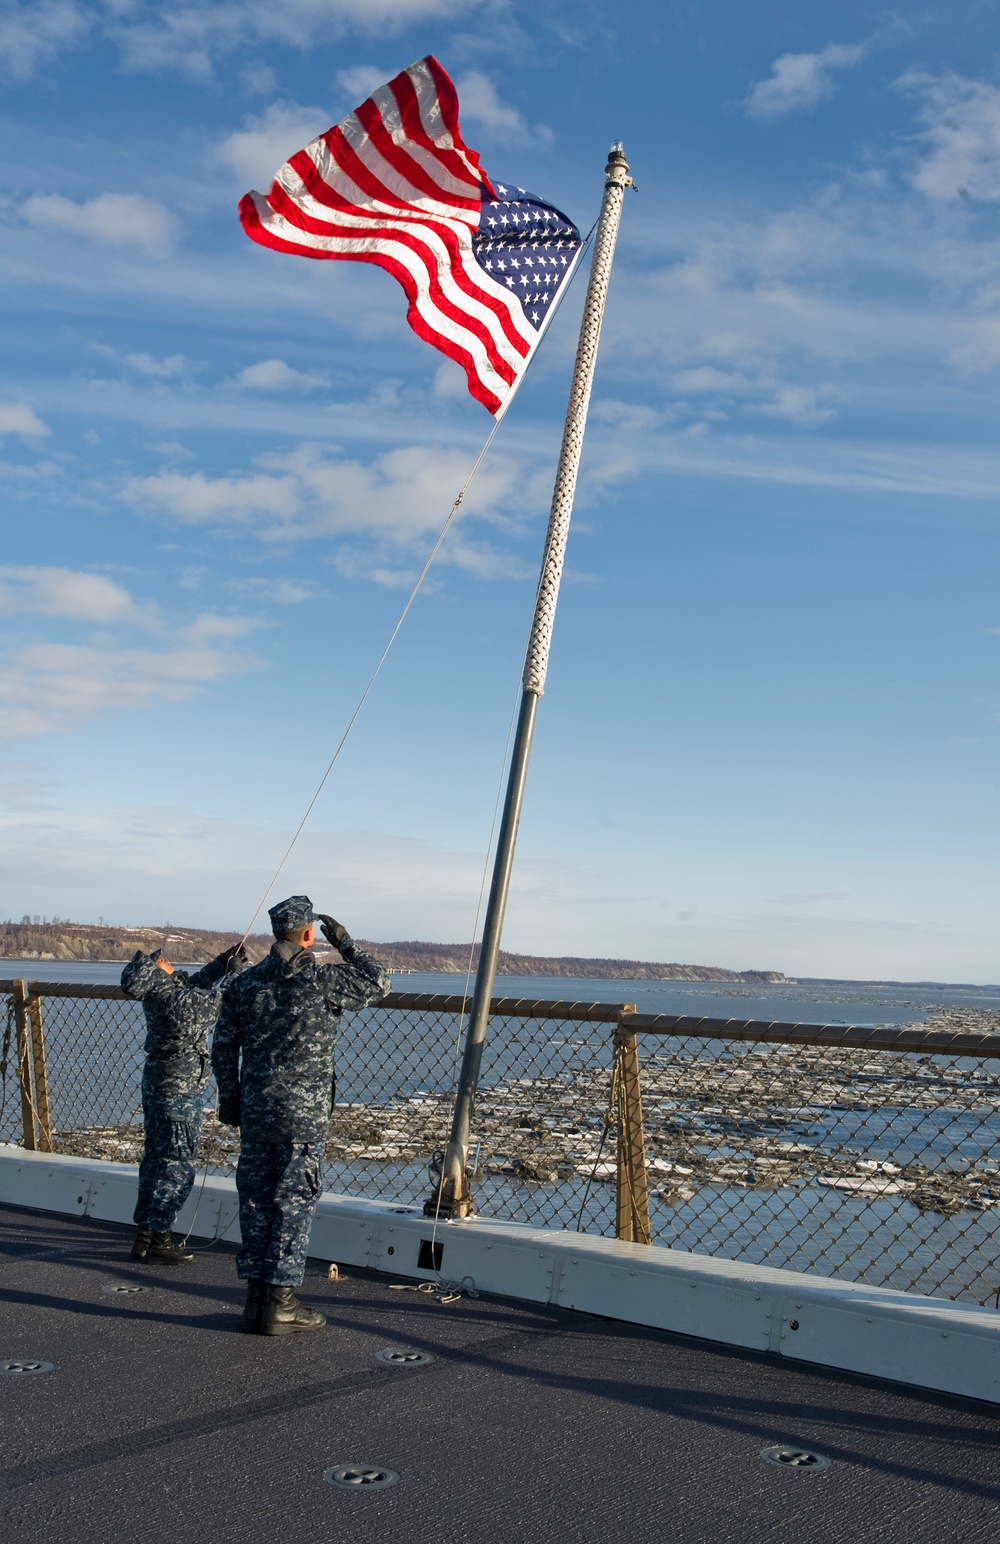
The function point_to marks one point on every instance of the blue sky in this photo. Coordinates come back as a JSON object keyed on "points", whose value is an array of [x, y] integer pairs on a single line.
{"points": [[770, 731]]}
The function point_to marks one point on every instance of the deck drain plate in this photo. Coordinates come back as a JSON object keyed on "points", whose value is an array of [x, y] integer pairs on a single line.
{"points": [[803, 1459], [22, 1368], [121, 1288], [404, 1356], [361, 1476]]}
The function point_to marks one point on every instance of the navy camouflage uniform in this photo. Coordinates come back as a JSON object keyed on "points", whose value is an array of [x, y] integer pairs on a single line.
{"points": [[280, 1019], [180, 1010]]}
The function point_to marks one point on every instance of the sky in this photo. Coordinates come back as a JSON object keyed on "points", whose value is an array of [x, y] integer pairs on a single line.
{"points": [[770, 732]]}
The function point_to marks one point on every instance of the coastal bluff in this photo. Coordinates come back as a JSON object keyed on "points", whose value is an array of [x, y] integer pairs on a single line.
{"points": [[87, 942]]}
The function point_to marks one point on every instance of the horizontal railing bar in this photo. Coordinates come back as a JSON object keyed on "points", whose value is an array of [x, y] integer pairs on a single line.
{"points": [[856, 1036], [421, 1002], [507, 1007], [66, 989]]}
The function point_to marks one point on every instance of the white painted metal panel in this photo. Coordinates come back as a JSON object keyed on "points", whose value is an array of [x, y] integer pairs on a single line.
{"points": [[667, 1300], [341, 1236], [27, 1180], [934, 1351]]}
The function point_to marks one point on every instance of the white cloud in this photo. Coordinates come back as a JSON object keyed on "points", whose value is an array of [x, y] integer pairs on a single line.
{"points": [[361, 80], [51, 687], [160, 369], [962, 133], [64, 592], [275, 375], [19, 418], [33, 33], [479, 103], [799, 81], [389, 508], [111, 219], [161, 34], [255, 152], [802, 404], [707, 378]]}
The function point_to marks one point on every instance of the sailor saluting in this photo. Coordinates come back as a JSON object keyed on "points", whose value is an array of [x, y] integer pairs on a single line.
{"points": [[180, 1010], [273, 1061]]}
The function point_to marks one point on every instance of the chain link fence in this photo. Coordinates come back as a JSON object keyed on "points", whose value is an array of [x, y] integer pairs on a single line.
{"points": [[866, 1154]]}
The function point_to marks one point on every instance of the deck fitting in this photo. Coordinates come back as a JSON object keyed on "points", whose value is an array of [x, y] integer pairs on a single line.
{"points": [[118, 1287], [23, 1368], [404, 1356], [361, 1477], [796, 1458]]}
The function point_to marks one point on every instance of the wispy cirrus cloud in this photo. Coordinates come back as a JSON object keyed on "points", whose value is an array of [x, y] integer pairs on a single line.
{"points": [[276, 375], [35, 31], [109, 219], [71, 595], [799, 81], [53, 684], [960, 136], [382, 513], [266, 140], [19, 418], [179, 34]]}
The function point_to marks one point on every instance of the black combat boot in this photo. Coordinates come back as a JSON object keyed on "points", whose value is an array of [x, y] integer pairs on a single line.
{"points": [[158, 1249], [142, 1245], [284, 1315], [254, 1307]]}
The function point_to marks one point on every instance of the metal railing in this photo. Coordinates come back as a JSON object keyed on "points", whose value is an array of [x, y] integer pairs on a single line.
{"points": [[866, 1153]]}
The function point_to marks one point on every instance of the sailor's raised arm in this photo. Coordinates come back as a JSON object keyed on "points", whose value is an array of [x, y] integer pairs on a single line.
{"points": [[362, 979]]}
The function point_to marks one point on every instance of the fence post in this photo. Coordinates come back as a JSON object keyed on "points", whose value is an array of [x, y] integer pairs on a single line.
{"points": [[41, 1076], [632, 1198], [24, 1060]]}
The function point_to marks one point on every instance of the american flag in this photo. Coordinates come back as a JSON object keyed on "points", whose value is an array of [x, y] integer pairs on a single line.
{"points": [[394, 184]]}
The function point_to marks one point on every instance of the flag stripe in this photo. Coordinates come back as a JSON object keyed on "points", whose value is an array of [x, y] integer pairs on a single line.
{"points": [[296, 232], [489, 380], [298, 210]]}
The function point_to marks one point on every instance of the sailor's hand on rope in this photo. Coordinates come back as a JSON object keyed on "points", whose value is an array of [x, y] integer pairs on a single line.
{"points": [[229, 1111], [335, 933], [235, 958]]}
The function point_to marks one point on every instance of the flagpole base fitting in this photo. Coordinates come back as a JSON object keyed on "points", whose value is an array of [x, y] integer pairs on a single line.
{"points": [[448, 1207], [450, 1196]]}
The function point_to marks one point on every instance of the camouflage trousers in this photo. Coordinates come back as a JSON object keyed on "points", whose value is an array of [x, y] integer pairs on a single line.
{"points": [[166, 1173], [278, 1184]]}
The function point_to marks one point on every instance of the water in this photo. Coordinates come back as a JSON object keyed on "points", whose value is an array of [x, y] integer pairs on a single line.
{"points": [[846, 1004]]}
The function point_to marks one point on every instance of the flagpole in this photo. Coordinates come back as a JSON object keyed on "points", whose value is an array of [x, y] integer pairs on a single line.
{"points": [[451, 1196]]}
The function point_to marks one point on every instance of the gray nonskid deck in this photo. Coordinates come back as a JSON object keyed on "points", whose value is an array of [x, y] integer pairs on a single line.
{"points": [[161, 1420]]}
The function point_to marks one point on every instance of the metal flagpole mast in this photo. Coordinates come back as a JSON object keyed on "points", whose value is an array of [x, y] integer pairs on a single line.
{"points": [[451, 1196]]}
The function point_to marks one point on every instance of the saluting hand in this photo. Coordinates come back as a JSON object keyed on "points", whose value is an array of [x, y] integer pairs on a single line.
{"points": [[335, 932]]}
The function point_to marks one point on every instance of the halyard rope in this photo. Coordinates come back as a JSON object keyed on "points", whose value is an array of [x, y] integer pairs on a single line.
{"points": [[564, 290]]}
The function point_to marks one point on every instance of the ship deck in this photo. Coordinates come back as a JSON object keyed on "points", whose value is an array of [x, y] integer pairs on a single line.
{"points": [[161, 1421]]}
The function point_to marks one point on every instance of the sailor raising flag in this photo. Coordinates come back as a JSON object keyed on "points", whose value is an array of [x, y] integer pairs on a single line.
{"points": [[394, 184]]}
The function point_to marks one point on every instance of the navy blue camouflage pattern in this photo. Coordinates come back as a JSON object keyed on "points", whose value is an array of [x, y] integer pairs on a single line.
{"points": [[273, 1061], [280, 1019], [180, 1010], [166, 1173], [278, 1184]]}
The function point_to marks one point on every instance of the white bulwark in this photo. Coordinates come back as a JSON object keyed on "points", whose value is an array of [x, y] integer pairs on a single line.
{"points": [[927, 1342]]}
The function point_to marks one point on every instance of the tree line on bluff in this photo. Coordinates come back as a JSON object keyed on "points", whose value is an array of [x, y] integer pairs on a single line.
{"points": [[85, 942]]}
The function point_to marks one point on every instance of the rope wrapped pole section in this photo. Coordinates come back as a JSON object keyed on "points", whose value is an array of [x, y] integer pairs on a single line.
{"points": [[450, 1195]]}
